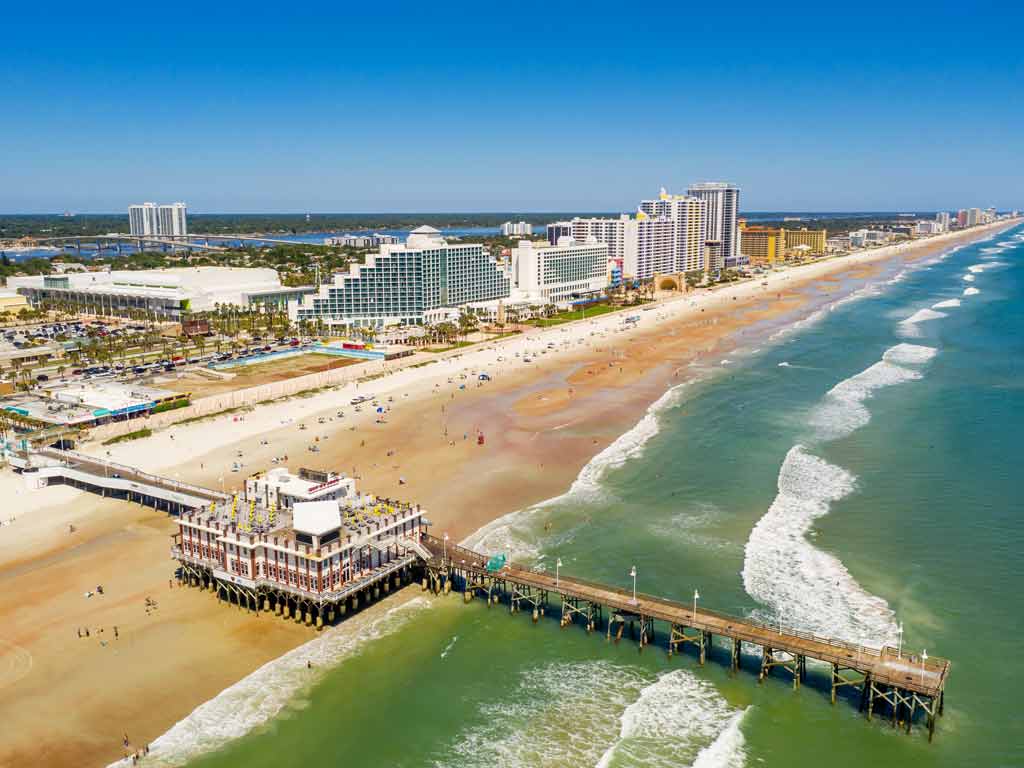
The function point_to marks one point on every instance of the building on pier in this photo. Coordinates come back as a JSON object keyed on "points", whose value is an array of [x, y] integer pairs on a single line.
{"points": [[308, 548], [278, 487]]}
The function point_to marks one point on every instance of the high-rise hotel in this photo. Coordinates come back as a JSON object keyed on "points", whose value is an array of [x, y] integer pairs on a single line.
{"points": [[723, 210], [158, 220], [666, 236], [412, 283]]}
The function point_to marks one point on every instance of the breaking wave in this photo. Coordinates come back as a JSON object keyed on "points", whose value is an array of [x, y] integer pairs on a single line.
{"points": [[810, 588], [947, 304], [971, 291], [262, 695], [511, 533], [843, 410], [909, 327], [909, 354], [587, 713], [679, 720]]}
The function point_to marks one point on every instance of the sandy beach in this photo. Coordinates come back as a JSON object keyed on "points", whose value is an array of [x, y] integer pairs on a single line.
{"points": [[542, 421]]}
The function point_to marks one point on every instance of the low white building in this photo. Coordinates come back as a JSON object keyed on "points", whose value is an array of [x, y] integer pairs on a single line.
{"points": [[167, 293], [862, 238], [560, 273], [280, 489]]}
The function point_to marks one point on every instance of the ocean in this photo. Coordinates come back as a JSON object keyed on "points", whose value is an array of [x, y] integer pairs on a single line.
{"points": [[844, 475]]}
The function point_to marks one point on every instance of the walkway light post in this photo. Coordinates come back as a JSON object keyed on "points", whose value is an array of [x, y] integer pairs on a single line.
{"points": [[696, 597], [899, 646], [558, 564], [444, 549], [924, 658], [632, 572]]}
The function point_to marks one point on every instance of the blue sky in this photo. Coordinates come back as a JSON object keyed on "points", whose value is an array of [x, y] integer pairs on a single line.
{"points": [[533, 106]]}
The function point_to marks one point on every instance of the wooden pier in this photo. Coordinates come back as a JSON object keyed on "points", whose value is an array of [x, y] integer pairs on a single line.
{"points": [[903, 682]]}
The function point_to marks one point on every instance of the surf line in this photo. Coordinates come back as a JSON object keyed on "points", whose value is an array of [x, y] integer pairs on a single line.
{"points": [[782, 569]]}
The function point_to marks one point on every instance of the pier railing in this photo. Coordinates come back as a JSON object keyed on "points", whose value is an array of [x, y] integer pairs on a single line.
{"points": [[133, 473], [884, 663]]}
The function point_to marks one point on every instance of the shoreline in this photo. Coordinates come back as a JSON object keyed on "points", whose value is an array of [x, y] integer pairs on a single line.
{"points": [[544, 424]]}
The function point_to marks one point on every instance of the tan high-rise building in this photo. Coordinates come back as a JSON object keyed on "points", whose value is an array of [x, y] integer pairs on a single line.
{"points": [[814, 239], [762, 245]]}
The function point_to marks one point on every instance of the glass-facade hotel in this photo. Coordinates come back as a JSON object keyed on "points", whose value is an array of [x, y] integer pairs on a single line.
{"points": [[404, 284]]}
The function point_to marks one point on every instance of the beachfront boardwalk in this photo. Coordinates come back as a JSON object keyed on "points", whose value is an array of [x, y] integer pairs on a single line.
{"points": [[904, 682]]}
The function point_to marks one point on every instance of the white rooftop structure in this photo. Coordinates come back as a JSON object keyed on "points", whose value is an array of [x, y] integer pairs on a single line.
{"points": [[165, 291], [284, 489], [316, 517]]}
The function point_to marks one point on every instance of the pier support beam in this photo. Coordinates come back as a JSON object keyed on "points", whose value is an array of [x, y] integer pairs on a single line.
{"points": [[772, 658], [842, 676], [737, 654], [678, 636]]}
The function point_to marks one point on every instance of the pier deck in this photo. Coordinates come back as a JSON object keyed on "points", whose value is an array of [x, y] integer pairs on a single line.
{"points": [[901, 679], [113, 478]]}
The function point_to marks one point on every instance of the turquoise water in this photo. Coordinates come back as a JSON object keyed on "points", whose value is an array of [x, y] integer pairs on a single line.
{"points": [[853, 473]]}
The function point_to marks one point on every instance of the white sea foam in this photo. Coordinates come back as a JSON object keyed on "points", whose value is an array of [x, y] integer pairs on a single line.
{"points": [[992, 250], [784, 364], [511, 533], [679, 720], [969, 277], [811, 589], [843, 410], [448, 648], [627, 717], [871, 289], [923, 315], [909, 354], [975, 268], [262, 695], [690, 525], [536, 723], [947, 304], [971, 291]]}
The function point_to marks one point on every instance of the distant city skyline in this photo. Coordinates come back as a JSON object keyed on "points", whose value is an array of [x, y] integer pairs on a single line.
{"points": [[443, 110]]}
